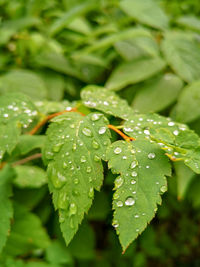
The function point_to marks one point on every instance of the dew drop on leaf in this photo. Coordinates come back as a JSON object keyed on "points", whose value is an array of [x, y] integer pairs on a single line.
{"points": [[151, 155], [57, 147], [87, 131], [95, 144], [91, 192], [118, 182], [163, 189], [89, 169], [129, 201], [97, 158], [119, 203], [134, 174], [102, 130], [134, 164], [95, 117], [83, 159], [115, 224], [72, 209], [117, 150], [76, 181]]}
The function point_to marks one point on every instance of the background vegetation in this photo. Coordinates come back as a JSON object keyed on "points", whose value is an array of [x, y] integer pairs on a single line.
{"points": [[147, 51]]}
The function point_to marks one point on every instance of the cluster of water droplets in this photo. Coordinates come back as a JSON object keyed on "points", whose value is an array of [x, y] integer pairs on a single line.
{"points": [[17, 109], [106, 101]]}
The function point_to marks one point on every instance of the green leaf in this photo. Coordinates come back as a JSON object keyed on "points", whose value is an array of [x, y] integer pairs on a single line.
{"points": [[6, 175], [182, 54], [99, 98], [57, 253], [136, 47], [189, 97], [142, 167], [57, 62], [184, 178], [134, 72], [157, 94], [74, 149], [47, 107], [147, 12], [26, 234], [30, 176], [79, 248], [177, 140], [27, 143], [189, 21], [16, 112], [24, 81]]}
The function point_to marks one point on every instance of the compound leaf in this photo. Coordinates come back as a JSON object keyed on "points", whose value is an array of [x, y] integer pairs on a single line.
{"points": [[176, 139], [142, 167], [6, 175], [104, 100], [74, 148], [16, 112]]}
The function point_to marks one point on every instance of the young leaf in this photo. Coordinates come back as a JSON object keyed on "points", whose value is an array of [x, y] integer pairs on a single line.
{"points": [[147, 12], [30, 176], [182, 54], [6, 175], [133, 72], [16, 112], [107, 101], [178, 141], [142, 167], [74, 148]]}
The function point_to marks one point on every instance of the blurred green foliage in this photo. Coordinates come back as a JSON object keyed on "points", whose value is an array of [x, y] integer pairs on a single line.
{"points": [[149, 52]]}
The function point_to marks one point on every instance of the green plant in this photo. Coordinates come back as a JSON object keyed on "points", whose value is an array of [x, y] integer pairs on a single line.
{"points": [[81, 86]]}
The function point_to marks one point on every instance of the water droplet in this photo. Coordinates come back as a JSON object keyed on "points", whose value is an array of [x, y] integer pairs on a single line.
{"points": [[72, 209], [91, 192], [119, 203], [76, 180], [74, 147], [83, 159], [134, 164], [61, 217], [147, 167], [115, 195], [89, 169], [163, 189], [95, 117], [57, 147], [134, 174], [62, 201], [129, 201], [115, 224], [176, 132], [136, 216], [124, 157], [137, 230], [133, 182], [102, 130], [146, 132], [151, 155], [72, 126], [95, 144], [71, 223], [87, 132], [171, 123], [97, 158], [117, 150], [118, 182], [64, 165]]}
